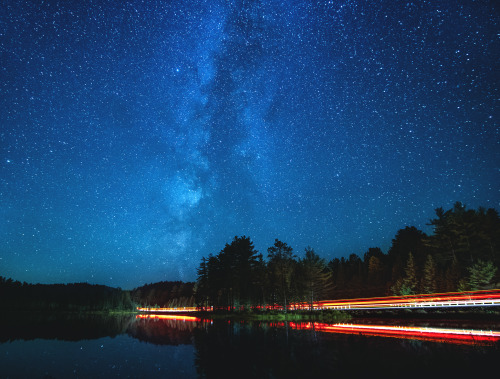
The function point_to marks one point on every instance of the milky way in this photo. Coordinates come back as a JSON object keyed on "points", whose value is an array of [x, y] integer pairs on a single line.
{"points": [[138, 136]]}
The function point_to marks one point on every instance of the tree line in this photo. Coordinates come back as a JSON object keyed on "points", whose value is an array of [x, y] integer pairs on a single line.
{"points": [[83, 297], [164, 294], [463, 253], [74, 297]]}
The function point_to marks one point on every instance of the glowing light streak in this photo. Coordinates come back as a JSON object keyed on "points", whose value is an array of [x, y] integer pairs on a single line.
{"points": [[453, 299], [440, 300], [448, 335], [167, 317], [168, 310]]}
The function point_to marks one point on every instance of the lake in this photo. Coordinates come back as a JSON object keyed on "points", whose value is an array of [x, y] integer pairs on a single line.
{"points": [[143, 346]]}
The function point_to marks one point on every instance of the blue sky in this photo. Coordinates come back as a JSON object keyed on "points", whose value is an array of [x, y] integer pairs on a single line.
{"points": [[137, 137]]}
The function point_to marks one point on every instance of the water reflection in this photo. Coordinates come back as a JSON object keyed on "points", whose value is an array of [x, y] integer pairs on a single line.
{"points": [[191, 347], [61, 326], [164, 329], [422, 331], [306, 350], [425, 333]]}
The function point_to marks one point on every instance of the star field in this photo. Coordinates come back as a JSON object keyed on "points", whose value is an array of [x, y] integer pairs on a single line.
{"points": [[138, 136]]}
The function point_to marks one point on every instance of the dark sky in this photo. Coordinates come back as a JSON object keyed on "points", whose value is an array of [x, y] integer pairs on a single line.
{"points": [[138, 136]]}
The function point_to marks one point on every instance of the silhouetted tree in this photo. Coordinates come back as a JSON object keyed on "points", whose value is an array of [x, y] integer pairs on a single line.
{"points": [[202, 288], [429, 277], [315, 278], [228, 279], [407, 240], [260, 281], [376, 272], [481, 275], [281, 266], [466, 235], [453, 275], [239, 260], [408, 284]]}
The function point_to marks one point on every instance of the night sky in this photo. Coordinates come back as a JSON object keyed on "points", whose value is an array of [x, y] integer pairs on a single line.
{"points": [[138, 136]]}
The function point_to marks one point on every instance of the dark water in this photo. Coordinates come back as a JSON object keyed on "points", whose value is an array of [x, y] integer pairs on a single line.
{"points": [[97, 347]]}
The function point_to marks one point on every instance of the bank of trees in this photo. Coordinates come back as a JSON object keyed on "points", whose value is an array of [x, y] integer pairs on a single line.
{"points": [[239, 277], [84, 297], [164, 294], [75, 297], [463, 253]]}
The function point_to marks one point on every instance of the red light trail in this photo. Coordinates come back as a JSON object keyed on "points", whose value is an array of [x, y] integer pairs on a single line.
{"points": [[436, 300], [168, 310], [168, 317], [448, 335]]}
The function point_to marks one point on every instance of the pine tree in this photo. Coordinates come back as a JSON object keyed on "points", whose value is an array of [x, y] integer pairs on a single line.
{"points": [[429, 279], [481, 275], [281, 265], [410, 280], [202, 289], [407, 285], [315, 276], [375, 270], [453, 276]]}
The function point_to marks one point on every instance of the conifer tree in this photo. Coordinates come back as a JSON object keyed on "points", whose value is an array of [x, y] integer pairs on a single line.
{"points": [[481, 275], [315, 276], [429, 278], [281, 264], [407, 285]]}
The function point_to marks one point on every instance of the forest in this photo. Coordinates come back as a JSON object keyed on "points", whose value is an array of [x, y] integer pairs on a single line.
{"points": [[165, 294], [84, 297], [74, 297], [463, 253]]}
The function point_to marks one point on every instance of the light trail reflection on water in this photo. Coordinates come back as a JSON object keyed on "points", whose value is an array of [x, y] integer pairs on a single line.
{"points": [[424, 333], [167, 317], [176, 345], [447, 335]]}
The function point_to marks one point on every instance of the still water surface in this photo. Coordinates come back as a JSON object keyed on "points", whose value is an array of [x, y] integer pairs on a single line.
{"points": [[96, 347]]}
